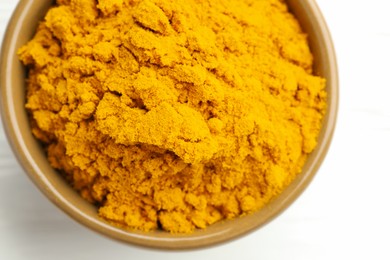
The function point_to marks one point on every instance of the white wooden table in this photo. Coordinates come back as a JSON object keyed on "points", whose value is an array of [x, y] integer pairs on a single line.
{"points": [[344, 214]]}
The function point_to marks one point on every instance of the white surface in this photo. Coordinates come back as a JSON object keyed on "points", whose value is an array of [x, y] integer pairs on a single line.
{"points": [[344, 214]]}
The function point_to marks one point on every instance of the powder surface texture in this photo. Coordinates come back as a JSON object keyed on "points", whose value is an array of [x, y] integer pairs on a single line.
{"points": [[174, 114]]}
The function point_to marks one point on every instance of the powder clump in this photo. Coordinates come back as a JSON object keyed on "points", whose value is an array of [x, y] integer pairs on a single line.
{"points": [[174, 114]]}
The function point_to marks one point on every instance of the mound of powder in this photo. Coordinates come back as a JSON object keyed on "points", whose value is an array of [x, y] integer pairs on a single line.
{"points": [[174, 114]]}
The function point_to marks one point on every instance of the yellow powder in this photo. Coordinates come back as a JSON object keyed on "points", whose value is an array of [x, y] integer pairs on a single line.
{"points": [[174, 114]]}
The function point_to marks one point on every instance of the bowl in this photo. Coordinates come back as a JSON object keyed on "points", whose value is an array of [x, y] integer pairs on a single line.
{"points": [[33, 159]]}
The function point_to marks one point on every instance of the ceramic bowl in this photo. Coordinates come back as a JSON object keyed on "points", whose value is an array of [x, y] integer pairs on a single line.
{"points": [[33, 159]]}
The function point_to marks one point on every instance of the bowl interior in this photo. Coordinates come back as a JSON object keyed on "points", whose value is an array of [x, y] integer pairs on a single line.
{"points": [[34, 161]]}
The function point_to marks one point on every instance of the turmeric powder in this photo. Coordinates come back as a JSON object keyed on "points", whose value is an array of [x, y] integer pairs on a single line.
{"points": [[174, 114]]}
